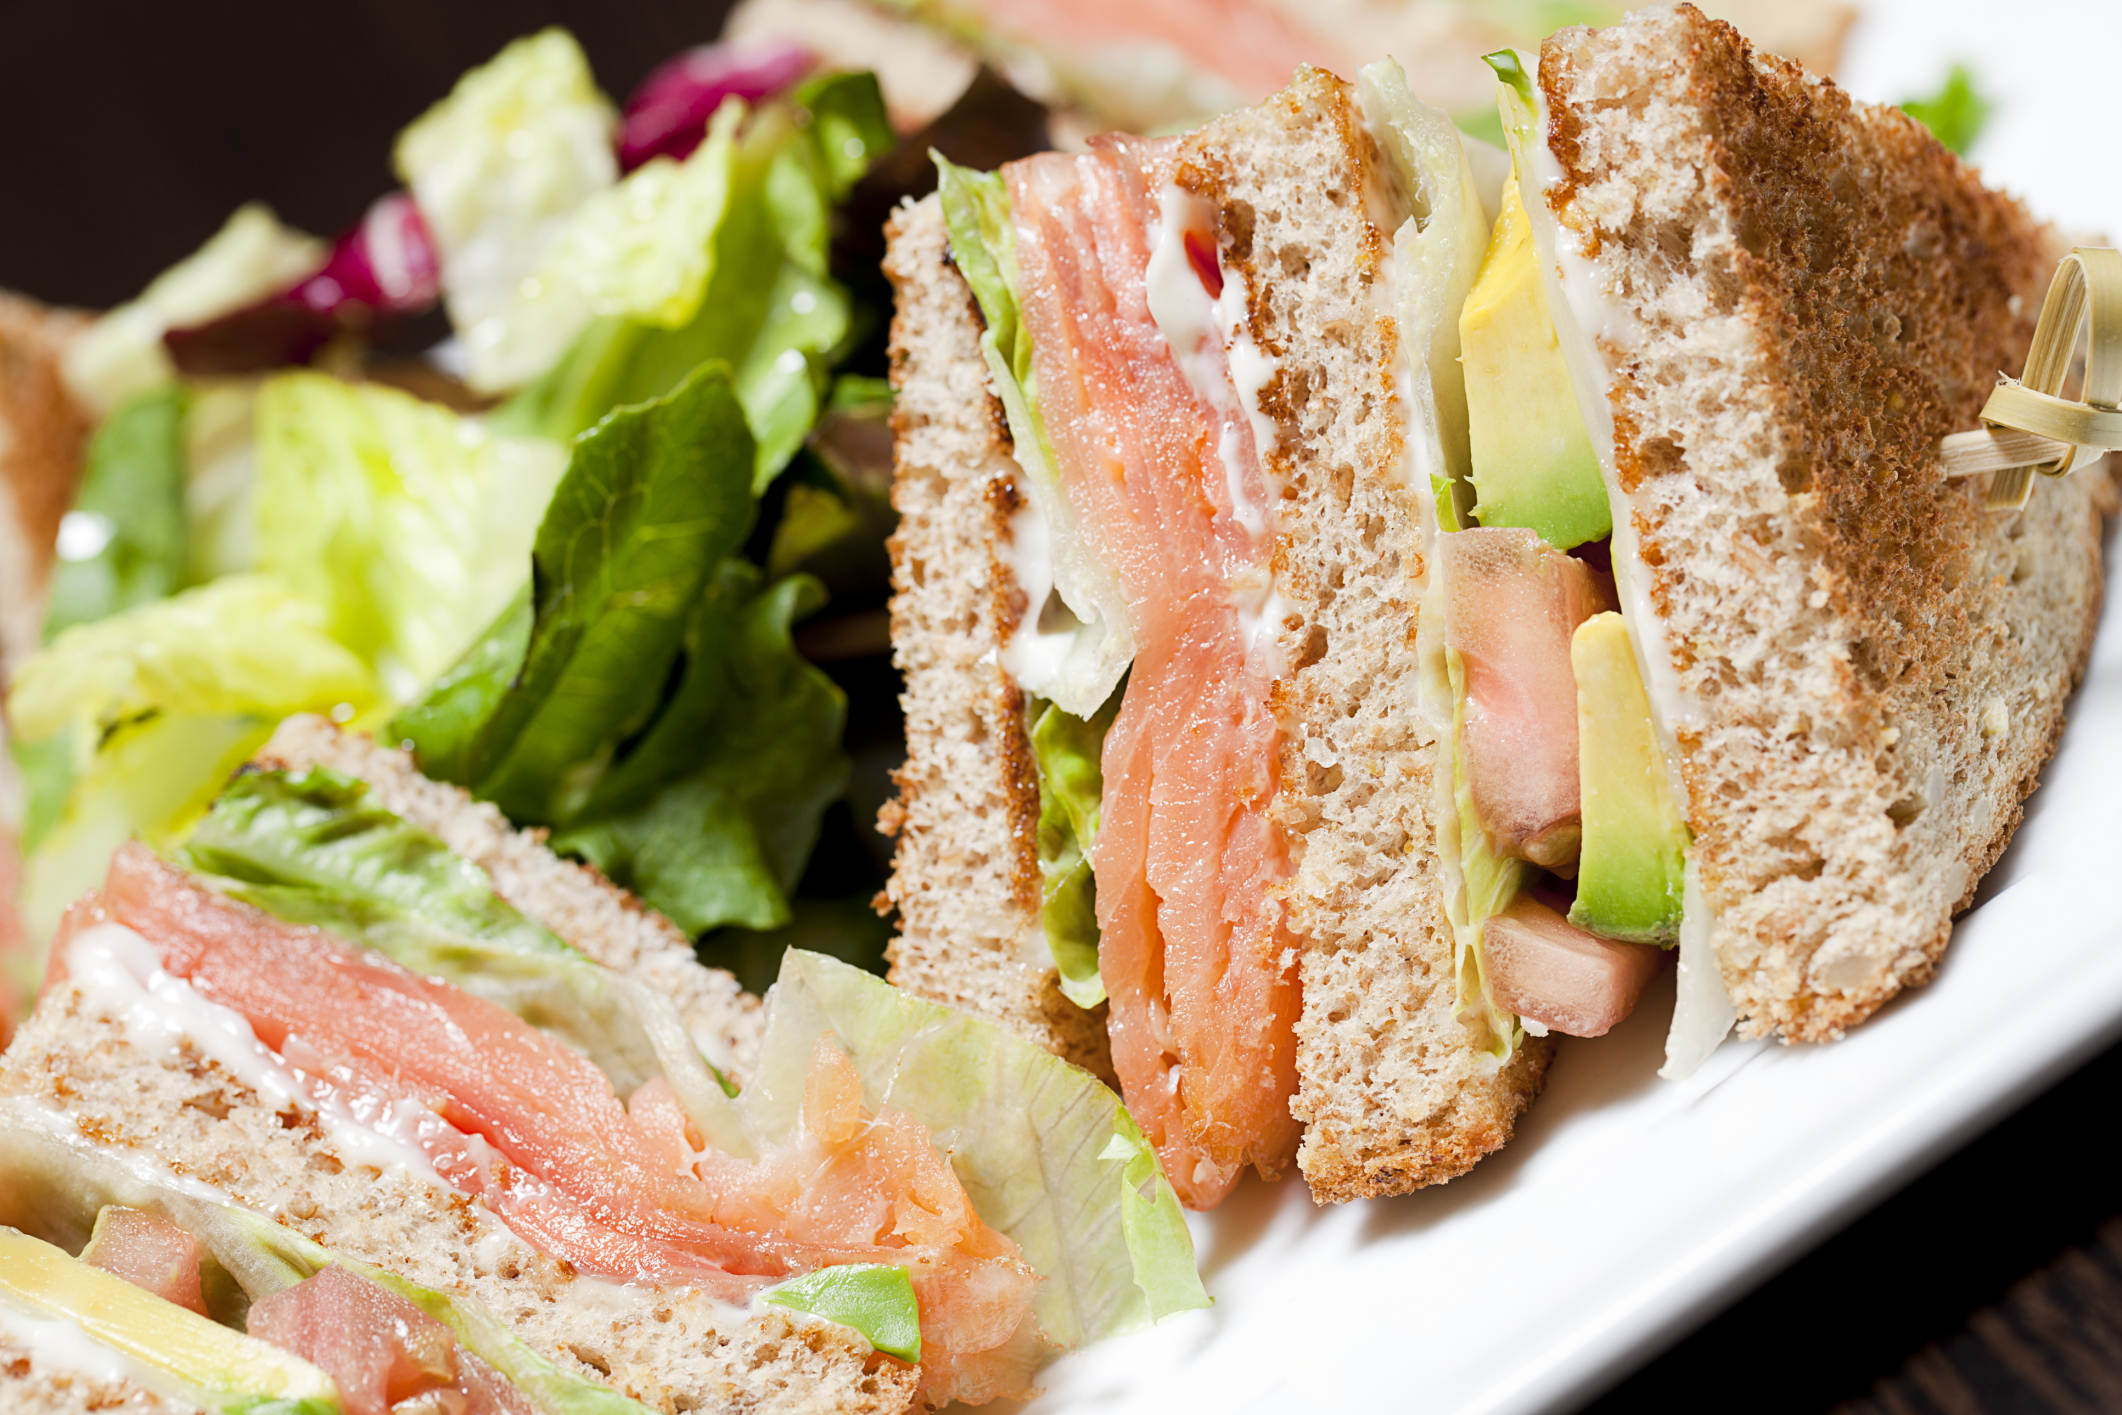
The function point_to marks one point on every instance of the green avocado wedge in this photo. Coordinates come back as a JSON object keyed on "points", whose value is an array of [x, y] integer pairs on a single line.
{"points": [[1629, 869]]}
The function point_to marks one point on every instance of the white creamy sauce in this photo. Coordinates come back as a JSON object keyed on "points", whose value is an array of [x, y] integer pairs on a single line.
{"points": [[1584, 315], [58, 1344], [1197, 326], [120, 975], [1047, 630]]}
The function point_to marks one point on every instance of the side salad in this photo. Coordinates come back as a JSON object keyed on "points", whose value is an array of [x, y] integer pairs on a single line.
{"points": [[569, 582]]}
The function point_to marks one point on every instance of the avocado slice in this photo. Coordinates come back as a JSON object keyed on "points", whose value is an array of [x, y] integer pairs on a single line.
{"points": [[1629, 868], [224, 1370], [1533, 463]]}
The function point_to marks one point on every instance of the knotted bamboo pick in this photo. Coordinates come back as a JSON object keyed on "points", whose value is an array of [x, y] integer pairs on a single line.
{"points": [[2027, 425]]}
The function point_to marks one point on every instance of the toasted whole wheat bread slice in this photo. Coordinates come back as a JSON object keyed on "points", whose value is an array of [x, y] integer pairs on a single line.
{"points": [[1876, 666], [1391, 1086]]}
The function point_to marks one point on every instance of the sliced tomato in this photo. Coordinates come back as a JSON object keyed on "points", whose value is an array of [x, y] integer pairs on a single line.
{"points": [[379, 1348], [149, 1252], [1194, 951], [1512, 602]]}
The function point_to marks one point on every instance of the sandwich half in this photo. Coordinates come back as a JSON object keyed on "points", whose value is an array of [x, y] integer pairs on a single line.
{"points": [[1683, 508], [1775, 301], [1269, 617], [357, 1005]]}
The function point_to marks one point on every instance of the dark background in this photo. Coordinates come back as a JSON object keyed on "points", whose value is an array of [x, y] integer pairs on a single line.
{"points": [[128, 132]]}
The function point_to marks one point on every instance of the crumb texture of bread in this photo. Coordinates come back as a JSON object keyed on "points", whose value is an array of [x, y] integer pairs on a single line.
{"points": [[31, 1384], [574, 900], [673, 1348], [1872, 668], [41, 435], [1393, 1091], [965, 874]]}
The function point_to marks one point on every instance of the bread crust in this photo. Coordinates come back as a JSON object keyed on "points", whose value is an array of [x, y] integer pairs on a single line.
{"points": [[42, 431], [574, 900], [1874, 667], [965, 873]]}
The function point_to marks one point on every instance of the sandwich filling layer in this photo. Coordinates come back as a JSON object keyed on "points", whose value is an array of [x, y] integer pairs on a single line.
{"points": [[460, 1091]]}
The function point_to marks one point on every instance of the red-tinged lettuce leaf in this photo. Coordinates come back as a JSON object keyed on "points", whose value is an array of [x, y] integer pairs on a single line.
{"points": [[667, 115], [385, 267]]}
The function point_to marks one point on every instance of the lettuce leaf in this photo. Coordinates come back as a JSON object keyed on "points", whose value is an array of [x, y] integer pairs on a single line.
{"points": [[1441, 252], [646, 700], [983, 243], [121, 355], [124, 543], [770, 308], [1491, 880], [876, 1299], [1067, 752], [653, 501], [712, 814], [1048, 1155], [1956, 114], [498, 169], [241, 645], [150, 710], [314, 847], [409, 523]]}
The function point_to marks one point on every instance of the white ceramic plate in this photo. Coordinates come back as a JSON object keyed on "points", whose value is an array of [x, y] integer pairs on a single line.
{"points": [[1629, 1210]]}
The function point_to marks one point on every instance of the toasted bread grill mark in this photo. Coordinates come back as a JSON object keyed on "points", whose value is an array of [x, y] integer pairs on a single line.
{"points": [[1391, 1088], [965, 876], [41, 437], [672, 1348], [1824, 292], [575, 901]]}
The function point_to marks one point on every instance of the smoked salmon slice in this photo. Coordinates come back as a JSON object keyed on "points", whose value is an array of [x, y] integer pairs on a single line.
{"points": [[1194, 950]]}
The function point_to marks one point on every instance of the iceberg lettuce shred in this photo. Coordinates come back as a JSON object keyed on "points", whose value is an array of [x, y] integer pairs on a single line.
{"points": [[1048, 1155], [983, 243]]}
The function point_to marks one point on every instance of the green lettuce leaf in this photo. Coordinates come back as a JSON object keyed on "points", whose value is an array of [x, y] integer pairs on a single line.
{"points": [[141, 716], [241, 645], [712, 813], [1492, 880], [983, 243], [1048, 1155], [876, 1299], [1066, 750], [409, 523], [121, 355], [314, 847], [653, 500], [1956, 114], [770, 309], [498, 169], [132, 502]]}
